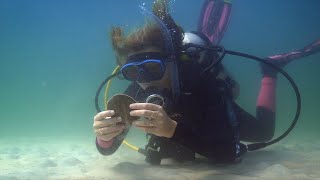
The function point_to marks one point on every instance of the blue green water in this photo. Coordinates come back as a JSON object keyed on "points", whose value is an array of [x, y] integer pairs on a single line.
{"points": [[54, 54]]}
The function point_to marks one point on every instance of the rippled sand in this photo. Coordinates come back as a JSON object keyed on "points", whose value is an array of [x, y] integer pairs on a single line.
{"points": [[77, 158]]}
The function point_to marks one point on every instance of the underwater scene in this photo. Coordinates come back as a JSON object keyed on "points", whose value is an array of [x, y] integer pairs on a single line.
{"points": [[65, 64]]}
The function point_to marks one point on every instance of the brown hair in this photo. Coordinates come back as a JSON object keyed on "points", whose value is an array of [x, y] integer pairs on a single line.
{"points": [[149, 35]]}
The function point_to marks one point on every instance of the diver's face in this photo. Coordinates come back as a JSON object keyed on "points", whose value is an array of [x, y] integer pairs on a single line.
{"points": [[162, 83]]}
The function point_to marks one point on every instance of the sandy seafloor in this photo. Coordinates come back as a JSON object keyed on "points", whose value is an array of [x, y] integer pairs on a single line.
{"points": [[77, 158]]}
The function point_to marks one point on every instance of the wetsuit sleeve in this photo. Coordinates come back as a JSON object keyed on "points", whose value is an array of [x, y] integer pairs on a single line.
{"points": [[115, 143], [182, 130]]}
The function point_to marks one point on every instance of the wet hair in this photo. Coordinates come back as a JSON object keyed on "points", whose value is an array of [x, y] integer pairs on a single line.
{"points": [[148, 36]]}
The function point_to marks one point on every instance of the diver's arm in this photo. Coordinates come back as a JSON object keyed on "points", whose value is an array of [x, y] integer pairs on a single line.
{"points": [[106, 147], [109, 147], [182, 130], [104, 144]]}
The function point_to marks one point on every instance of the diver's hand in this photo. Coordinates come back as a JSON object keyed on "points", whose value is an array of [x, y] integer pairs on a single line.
{"points": [[156, 120], [105, 127]]}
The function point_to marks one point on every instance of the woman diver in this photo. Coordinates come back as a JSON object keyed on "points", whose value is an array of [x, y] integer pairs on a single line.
{"points": [[200, 115]]}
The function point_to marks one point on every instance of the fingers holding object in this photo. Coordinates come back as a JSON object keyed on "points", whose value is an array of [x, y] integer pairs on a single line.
{"points": [[107, 122], [109, 136], [144, 124], [145, 106], [149, 129], [104, 114], [144, 113], [109, 130]]}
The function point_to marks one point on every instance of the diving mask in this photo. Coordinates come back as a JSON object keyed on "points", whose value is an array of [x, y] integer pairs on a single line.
{"points": [[144, 67]]}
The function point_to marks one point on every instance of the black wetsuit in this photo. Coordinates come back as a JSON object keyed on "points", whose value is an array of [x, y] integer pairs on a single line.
{"points": [[210, 123]]}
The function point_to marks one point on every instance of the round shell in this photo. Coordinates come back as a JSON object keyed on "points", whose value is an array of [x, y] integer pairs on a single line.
{"points": [[120, 104]]}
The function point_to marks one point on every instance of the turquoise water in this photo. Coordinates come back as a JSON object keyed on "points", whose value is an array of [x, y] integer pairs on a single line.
{"points": [[54, 55]]}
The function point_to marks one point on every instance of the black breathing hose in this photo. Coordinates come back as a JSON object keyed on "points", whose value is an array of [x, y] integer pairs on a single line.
{"points": [[96, 99], [253, 146], [259, 145]]}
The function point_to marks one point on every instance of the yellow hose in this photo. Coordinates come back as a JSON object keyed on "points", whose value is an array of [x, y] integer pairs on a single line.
{"points": [[106, 92], [130, 145]]}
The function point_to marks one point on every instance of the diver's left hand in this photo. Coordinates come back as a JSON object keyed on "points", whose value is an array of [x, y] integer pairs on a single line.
{"points": [[156, 121]]}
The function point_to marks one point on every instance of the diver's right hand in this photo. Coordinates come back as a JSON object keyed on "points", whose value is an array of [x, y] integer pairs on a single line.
{"points": [[105, 127]]}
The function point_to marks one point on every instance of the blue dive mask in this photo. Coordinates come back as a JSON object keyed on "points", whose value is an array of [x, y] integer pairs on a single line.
{"points": [[144, 67]]}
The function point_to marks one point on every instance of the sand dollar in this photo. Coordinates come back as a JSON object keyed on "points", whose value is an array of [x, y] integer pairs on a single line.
{"points": [[120, 104]]}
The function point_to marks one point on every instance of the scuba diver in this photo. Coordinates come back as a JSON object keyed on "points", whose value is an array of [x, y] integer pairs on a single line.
{"points": [[198, 114]]}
